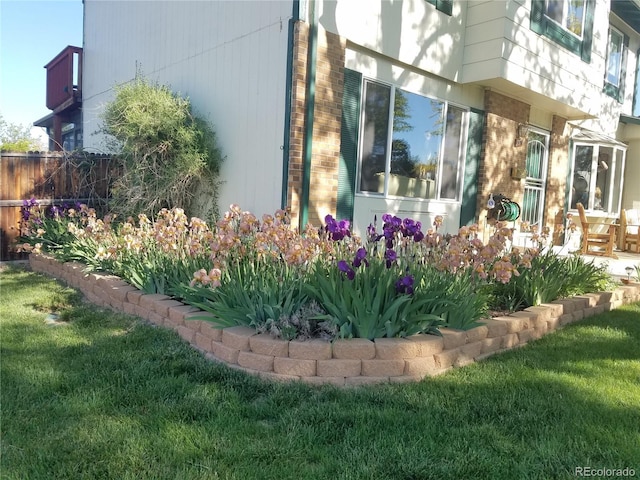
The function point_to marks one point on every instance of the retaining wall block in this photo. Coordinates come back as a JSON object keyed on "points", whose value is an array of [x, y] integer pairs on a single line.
{"points": [[339, 368], [310, 349], [427, 344], [142, 312], [383, 368], [162, 306], [543, 313], [470, 350], [421, 366], [178, 313], [514, 324], [186, 333], [495, 328], [120, 292], [525, 336], [446, 358], [256, 361], [134, 296], [237, 337], [553, 324], [605, 297], [202, 342], [578, 315], [529, 319], [453, 338], [490, 345], [276, 377], [295, 366], [566, 305], [356, 381], [540, 331], [510, 340], [107, 281], [224, 352], [147, 301], [265, 344], [477, 334], [392, 348], [354, 349], [588, 300], [129, 308], [209, 330]]}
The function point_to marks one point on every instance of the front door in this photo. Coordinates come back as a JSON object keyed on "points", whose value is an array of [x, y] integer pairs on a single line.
{"points": [[536, 179]]}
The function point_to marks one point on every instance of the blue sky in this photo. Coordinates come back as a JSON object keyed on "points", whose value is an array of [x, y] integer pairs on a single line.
{"points": [[31, 34]]}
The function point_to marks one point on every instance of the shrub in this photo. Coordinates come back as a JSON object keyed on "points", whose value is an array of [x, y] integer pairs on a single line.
{"points": [[166, 152]]}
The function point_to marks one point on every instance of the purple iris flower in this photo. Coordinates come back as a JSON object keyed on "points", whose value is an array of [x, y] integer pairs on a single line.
{"points": [[344, 267], [405, 285], [338, 230], [391, 256], [360, 257]]}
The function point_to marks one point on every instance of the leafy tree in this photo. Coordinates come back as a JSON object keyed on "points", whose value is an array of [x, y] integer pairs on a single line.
{"points": [[168, 156], [17, 138]]}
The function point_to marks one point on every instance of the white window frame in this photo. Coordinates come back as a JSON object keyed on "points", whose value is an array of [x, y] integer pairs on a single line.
{"points": [[618, 80], [617, 172], [565, 17], [464, 130]]}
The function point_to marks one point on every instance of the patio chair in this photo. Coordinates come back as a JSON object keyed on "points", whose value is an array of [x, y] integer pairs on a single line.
{"points": [[630, 230], [598, 238]]}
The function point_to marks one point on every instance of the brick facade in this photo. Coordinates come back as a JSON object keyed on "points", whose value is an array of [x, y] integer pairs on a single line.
{"points": [[500, 151], [557, 177], [323, 191]]}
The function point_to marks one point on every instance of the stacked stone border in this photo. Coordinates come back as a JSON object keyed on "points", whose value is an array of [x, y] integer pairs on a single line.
{"points": [[342, 362]]}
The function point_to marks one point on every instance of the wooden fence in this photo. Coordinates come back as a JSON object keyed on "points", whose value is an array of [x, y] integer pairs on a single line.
{"points": [[51, 178]]}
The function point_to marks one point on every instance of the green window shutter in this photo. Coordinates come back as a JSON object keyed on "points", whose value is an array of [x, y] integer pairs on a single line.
{"points": [[472, 165], [587, 35], [623, 69], [445, 6], [349, 144], [537, 19]]}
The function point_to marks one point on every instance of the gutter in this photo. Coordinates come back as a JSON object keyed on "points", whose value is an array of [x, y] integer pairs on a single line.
{"points": [[309, 114], [286, 145]]}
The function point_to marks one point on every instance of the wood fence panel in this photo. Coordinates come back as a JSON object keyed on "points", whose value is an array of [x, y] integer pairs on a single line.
{"points": [[51, 178]]}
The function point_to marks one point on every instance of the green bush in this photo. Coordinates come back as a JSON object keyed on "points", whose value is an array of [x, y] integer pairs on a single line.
{"points": [[165, 151]]}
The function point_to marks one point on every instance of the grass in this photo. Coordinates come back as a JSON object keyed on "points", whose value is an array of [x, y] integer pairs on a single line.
{"points": [[105, 396]]}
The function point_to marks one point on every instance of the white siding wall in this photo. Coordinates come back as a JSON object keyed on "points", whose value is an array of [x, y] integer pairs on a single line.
{"points": [[411, 31], [500, 44], [228, 57]]}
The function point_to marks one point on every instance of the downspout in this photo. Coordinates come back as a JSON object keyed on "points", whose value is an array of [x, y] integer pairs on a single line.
{"points": [[286, 145], [309, 114]]}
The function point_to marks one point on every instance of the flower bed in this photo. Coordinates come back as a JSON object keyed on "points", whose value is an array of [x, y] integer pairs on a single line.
{"points": [[344, 361]]}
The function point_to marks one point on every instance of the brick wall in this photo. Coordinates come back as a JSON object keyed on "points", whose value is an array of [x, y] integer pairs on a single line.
{"points": [[557, 177], [500, 150], [323, 191]]}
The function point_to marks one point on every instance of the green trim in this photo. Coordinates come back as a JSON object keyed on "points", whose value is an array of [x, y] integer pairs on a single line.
{"points": [[542, 25], [349, 131], [472, 166], [286, 144], [445, 6], [612, 90], [309, 118]]}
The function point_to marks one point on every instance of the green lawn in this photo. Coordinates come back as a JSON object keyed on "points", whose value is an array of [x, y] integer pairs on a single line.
{"points": [[105, 396]]}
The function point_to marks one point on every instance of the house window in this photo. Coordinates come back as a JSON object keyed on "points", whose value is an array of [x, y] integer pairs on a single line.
{"points": [[569, 23], [597, 177], [616, 63], [411, 145], [445, 6]]}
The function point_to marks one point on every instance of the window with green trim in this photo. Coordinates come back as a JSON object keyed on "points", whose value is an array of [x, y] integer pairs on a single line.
{"points": [[616, 64], [569, 23], [445, 6]]}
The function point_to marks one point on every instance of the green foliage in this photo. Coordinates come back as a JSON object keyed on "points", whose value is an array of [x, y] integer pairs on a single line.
{"points": [[250, 294], [550, 276], [166, 152], [369, 306], [17, 138]]}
